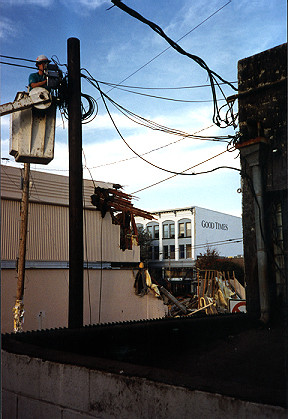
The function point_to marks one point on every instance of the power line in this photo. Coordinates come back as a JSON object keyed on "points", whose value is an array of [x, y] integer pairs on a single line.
{"points": [[166, 49], [17, 58], [216, 243], [137, 154], [159, 88], [146, 122], [213, 76], [166, 98], [17, 65], [170, 177], [150, 151]]}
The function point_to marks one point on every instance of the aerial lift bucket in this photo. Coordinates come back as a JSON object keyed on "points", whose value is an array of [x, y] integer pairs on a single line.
{"points": [[32, 132]]}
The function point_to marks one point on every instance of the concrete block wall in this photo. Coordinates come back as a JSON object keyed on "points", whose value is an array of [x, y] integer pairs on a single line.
{"points": [[36, 389]]}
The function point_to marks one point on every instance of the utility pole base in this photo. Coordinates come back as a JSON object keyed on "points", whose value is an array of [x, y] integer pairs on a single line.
{"points": [[18, 314]]}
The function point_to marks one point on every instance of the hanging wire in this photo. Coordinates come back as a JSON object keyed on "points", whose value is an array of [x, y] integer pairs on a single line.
{"points": [[212, 75], [166, 49], [148, 152], [170, 177], [17, 58], [17, 65], [166, 98], [91, 113], [117, 86], [121, 136], [146, 122]]}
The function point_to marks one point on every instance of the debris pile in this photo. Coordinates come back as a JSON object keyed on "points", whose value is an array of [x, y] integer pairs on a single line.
{"points": [[214, 290]]}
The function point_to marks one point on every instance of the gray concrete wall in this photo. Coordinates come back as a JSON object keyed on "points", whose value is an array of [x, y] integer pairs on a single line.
{"points": [[36, 389]]}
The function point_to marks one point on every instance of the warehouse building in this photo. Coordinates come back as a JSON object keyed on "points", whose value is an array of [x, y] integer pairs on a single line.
{"points": [[109, 272]]}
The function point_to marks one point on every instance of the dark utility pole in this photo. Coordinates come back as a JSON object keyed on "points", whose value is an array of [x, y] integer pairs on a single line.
{"points": [[75, 316]]}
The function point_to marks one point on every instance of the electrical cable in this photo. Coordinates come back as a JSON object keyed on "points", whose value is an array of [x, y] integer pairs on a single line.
{"points": [[91, 113], [17, 65], [213, 76], [137, 154], [217, 168], [166, 49], [148, 123], [216, 243], [63, 98], [166, 98], [157, 88], [170, 177], [17, 58], [87, 168], [147, 152]]}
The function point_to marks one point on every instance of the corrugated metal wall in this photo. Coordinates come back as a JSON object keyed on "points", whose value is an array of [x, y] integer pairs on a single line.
{"points": [[48, 229], [48, 224]]}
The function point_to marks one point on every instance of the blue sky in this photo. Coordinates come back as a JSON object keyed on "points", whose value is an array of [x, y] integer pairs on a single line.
{"points": [[113, 46]]}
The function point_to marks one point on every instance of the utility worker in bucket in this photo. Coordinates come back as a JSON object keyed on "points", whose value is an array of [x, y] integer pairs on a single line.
{"points": [[39, 79]]}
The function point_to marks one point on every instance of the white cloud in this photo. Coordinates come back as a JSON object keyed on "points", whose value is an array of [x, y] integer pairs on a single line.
{"points": [[84, 6], [41, 3], [5, 121], [7, 29], [92, 4]]}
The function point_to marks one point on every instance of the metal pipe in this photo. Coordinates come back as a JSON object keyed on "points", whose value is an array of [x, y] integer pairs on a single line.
{"points": [[252, 155], [262, 260]]}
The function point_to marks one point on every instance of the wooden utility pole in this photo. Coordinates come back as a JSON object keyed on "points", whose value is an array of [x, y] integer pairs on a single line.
{"points": [[18, 309], [75, 316]]}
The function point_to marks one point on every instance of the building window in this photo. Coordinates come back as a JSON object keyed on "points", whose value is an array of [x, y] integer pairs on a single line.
{"points": [[156, 252], [181, 251], [150, 231], [165, 231], [169, 230], [181, 230], [156, 232], [165, 252], [185, 229], [172, 251], [188, 251]]}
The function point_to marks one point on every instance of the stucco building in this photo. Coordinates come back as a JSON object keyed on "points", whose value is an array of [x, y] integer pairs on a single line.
{"points": [[180, 235]]}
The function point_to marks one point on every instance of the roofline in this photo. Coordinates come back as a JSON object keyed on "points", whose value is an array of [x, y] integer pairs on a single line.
{"points": [[173, 210]]}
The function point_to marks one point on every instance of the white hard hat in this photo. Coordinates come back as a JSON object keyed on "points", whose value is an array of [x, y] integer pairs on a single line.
{"points": [[41, 58]]}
